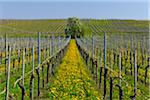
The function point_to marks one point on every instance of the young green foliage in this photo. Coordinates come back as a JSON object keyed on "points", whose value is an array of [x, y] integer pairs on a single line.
{"points": [[74, 28]]}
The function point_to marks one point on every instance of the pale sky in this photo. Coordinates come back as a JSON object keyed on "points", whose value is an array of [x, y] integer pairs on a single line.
{"points": [[51, 9]]}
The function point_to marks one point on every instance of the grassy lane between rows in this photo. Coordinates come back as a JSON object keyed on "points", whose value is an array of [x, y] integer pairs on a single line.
{"points": [[72, 79]]}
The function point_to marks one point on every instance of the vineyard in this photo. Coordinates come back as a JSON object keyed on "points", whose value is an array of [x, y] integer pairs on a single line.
{"points": [[110, 62]]}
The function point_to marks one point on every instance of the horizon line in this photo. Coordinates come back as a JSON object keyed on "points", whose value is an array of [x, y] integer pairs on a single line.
{"points": [[148, 19]]}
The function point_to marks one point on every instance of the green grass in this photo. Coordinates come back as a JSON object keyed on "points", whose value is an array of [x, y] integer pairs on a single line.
{"points": [[24, 28]]}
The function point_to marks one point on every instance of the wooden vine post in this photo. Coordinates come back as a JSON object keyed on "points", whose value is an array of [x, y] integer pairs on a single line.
{"points": [[5, 53], [135, 74], [50, 49], [52, 44], [86, 44], [23, 66], [92, 55], [8, 75], [52, 52], [32, 77], [23, 71], [18, 59], [25, 56], [142, 51], [105, 70], [120, 89], [120, 69], [131, 54], [13, 52], [1, 57], [58, 41], [46, 51], [96, 73], [59, 48], [6, 63], [43, 76], [48, 65], [39, 61], [111, 79], [92, 46], [100, 68]]}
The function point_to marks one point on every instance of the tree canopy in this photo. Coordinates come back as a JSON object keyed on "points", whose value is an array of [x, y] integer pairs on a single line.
{"points": [[74, 28]]}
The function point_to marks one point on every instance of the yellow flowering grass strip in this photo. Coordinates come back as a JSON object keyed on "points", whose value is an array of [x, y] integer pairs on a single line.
{"points": [[72, 80]]}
